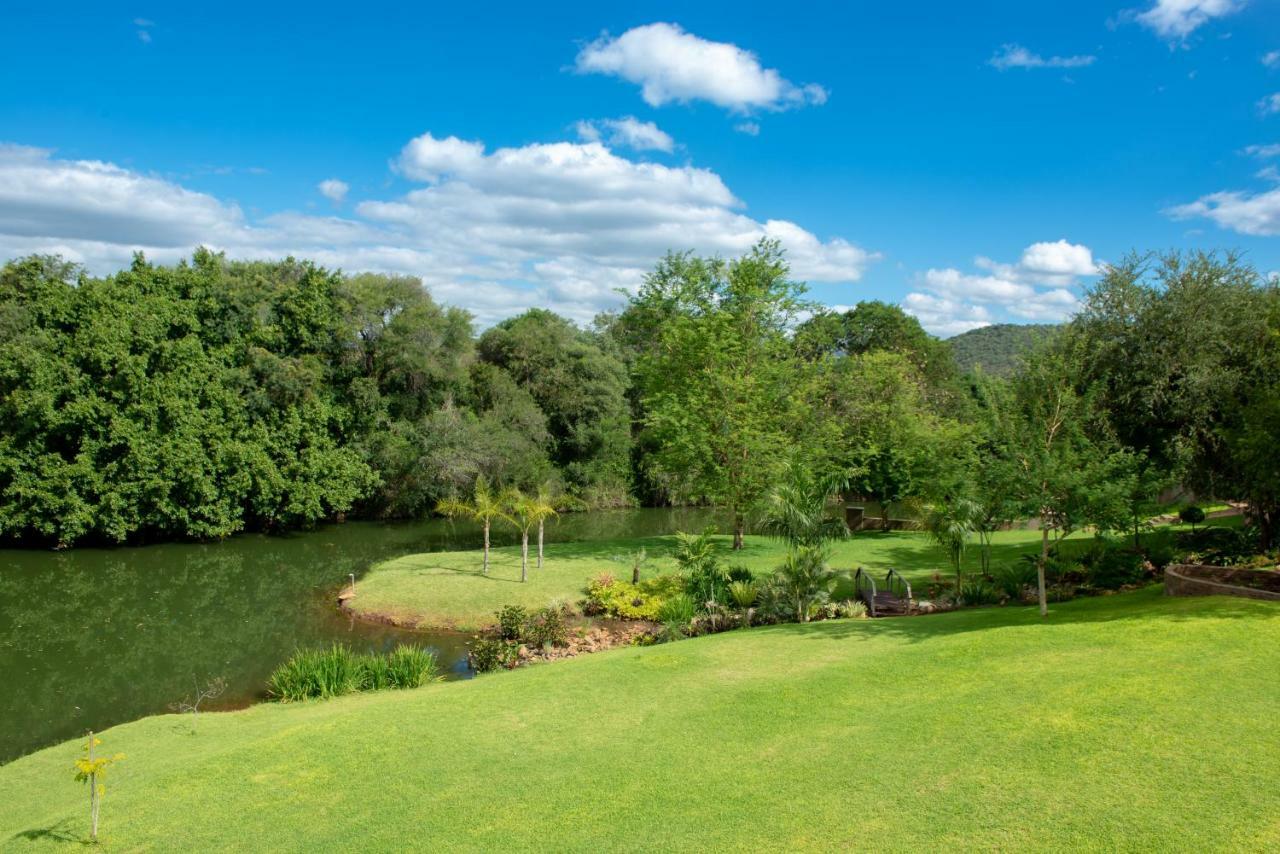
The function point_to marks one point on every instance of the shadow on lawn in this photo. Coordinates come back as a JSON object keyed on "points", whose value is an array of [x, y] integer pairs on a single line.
{"points": [[53, 833], [1146, 605]]}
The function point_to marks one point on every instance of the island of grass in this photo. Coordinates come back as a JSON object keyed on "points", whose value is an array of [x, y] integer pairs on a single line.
{"points": [[1127, 722], [448, 590]]}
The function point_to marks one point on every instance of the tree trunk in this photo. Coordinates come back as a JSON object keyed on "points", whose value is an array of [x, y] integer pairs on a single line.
{"points": [[524, 555], [486, 547], [1044, 558], [1137, 543], [539, 544], [739, 528], [635, 573], [93, 795]]}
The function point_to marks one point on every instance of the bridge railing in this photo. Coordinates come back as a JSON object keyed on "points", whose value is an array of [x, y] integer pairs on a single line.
{"points": [[899, 586], [866, 587]]}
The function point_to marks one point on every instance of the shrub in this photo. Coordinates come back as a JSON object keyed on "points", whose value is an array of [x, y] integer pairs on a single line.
{"points": [[743, 593], [1111, 567], [1012, 580], [1219, 546], [851, 609], [740, 573], [976, 591], [803, 581], [512, 622], [488, 654], [1191, 515], [676, 613], [629, 601], [547, 628]]}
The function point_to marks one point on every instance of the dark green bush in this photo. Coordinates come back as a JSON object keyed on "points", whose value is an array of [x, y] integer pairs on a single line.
{"points": [[740, 573], [513, 622], [489, 654], [1012, 580], [1111, 566], [547, 628], [976, 591], [1219, 546], [1191, 515]]}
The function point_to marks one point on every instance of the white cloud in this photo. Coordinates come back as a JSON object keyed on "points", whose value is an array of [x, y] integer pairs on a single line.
{"points": [[670, 64], [1264, 151], [1177, 19], [1017, 56], [1248, 213], [749, 128], [1036, 288], [1270, 104], [333, 189], [1271, 59], [560, 225], [1052, 261], [944, 317], [628, 132]]}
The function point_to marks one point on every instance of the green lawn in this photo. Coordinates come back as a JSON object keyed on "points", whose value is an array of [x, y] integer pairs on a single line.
{"points": [[441, 589], [1128, 722]]}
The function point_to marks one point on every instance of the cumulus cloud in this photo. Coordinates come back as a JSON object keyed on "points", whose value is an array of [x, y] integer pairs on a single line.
{"points": [[626, 132], [1177, 19], [561, 225], [671, 65], [749, 128], [1035, 288], [1017, 56], [1271, 59], [1270, 104], [1247, 213], [333, 189]]}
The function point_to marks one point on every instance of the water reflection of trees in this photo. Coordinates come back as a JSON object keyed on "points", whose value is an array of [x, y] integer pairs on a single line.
{"points": [[93, 637]]}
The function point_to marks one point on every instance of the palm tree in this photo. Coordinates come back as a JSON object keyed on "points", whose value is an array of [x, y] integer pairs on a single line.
{"points": [[524, 512], [483, 507], [795, 511], [950, 523], [804, 579], [542, 507]]}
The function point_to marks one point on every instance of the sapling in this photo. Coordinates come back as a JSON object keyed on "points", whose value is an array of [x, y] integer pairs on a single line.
{"points": [[211, 690], [92, 769]]}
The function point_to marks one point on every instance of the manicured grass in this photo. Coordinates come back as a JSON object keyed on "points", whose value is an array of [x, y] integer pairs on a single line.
{"points": [[440, 589], [1128, 722]]}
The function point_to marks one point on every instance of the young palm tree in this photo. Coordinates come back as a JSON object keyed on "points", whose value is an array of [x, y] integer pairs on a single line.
{"points": [[795, 511], [542, 507], [950, 523], [805, 579], [483, 507]]}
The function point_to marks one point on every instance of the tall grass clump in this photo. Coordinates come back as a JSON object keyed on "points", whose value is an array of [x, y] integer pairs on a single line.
{"points": [[332, 672]]}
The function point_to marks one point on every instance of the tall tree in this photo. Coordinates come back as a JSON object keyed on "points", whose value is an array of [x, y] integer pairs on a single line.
{"points": [[1069, 471], [721, 383]]}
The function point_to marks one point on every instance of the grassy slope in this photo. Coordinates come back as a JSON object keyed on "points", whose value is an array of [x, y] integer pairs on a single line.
{"points": [[447, 589], [1124, 722]]}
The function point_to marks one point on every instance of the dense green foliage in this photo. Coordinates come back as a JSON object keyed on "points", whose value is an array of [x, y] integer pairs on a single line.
{"points": [[987, 728], [217, 396], [998, 349]]}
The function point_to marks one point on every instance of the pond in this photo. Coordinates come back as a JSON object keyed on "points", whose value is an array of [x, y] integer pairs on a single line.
{"points": [[90, 638]]}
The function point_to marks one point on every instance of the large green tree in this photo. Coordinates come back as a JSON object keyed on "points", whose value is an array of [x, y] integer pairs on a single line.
{"points": [[721, 385]]}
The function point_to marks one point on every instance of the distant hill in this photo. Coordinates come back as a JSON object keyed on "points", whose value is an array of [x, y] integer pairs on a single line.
{"points": [[996, 348]]}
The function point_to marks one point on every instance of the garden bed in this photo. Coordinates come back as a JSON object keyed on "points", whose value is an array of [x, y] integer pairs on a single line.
{"points": [[1208, 580]]}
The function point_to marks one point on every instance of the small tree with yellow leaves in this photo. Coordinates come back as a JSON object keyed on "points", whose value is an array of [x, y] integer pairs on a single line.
{"points": [[92, 769]]}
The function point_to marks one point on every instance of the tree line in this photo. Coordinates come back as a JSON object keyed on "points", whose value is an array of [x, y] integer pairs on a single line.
{"points": [[215, 396]]}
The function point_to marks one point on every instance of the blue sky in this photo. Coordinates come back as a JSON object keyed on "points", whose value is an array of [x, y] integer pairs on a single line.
{"points": [[975, 164]]}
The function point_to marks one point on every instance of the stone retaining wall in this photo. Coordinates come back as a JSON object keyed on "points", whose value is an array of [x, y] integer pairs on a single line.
{"points": [[1190, 580]]}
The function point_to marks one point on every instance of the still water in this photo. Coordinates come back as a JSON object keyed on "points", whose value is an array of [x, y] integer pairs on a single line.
{"points": [[94, 637]]}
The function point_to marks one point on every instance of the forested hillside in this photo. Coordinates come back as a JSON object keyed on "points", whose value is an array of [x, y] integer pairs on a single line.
{"points": [[997, 348]]}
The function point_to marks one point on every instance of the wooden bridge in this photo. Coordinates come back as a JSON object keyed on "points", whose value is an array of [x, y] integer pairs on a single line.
{"points": [[889, 598]]}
